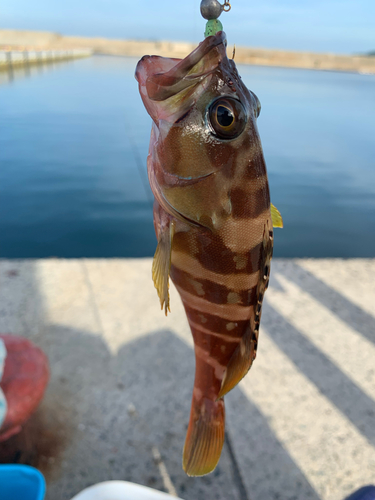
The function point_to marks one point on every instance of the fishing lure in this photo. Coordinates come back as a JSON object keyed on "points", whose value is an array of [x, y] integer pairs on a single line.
{"points": [[213, 221]]}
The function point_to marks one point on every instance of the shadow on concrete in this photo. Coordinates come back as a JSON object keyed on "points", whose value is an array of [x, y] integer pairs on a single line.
{"points": [[275, 283], [126, 404], [348, 312], [323, 373], [269, 472]]}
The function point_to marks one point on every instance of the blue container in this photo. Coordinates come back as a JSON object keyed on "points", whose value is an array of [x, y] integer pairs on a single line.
{"points": [[21, 482], [365, 493]]}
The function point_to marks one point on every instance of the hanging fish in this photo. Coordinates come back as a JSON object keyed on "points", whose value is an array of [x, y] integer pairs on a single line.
{"points": [[213, 221]]}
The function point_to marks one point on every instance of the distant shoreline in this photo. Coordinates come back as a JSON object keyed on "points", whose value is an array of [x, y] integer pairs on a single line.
{"points": [[37, 40]]}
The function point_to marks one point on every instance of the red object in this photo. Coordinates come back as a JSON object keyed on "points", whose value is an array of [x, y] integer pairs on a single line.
{"points": [[25, 378]]}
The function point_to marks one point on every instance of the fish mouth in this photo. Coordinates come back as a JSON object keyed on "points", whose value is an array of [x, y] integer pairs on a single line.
{"points": [[168, 86], [189, 71]]}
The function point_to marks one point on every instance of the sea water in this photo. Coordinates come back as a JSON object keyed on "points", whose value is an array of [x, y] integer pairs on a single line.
{"points": [[73, 145]]}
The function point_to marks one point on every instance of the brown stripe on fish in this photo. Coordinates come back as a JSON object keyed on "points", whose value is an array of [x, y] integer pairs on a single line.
{"points": [[222, 336], [238, 280], [233, 312], [210, 290], [223, 155], [249, 205], [256, 164], [216, 351], [214, 255], [258, 182], [216, 323], [240, 165], [211, 360]]}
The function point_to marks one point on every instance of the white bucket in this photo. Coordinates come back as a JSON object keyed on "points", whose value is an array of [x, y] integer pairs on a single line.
{"points": [[121, 490]]}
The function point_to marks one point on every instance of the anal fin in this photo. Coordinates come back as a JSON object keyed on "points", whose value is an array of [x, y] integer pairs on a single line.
{"points": [[161, 265], [204, 438], [240, 362]]}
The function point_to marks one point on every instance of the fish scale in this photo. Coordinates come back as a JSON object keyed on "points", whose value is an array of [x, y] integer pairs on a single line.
{"points": [[213, 222]]}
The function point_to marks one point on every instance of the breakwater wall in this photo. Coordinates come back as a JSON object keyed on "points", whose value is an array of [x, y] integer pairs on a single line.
{"points": [[15, 58], [138, 48]]}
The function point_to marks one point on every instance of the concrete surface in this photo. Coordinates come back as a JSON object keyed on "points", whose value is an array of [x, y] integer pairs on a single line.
{"points": [[300, 426]]}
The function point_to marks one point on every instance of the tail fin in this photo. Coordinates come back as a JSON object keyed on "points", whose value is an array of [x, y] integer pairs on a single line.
{"points": [[205, 436]]}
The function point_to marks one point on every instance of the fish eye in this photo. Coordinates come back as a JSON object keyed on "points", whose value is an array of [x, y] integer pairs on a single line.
{"points": [[227, 117]]}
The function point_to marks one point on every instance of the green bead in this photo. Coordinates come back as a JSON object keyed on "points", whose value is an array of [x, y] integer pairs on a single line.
{"points": [[212, 27]]}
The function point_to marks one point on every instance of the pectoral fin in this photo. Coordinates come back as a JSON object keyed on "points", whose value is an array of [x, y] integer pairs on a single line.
{"points": [[161, 265], [277, 220]]}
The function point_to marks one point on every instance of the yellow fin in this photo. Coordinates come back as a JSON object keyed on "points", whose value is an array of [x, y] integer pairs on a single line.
{"points": [[204, 438], [239, 364], [161, 266], [277, 220]]}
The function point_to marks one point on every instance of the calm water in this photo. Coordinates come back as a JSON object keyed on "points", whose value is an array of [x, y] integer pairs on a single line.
{"points": [[73, 146]]}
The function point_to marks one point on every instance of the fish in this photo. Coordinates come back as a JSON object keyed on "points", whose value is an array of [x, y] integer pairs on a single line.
{"points": [[213, 221]]}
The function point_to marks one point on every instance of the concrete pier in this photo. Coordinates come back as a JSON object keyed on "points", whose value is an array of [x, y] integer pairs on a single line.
{"points": [[138, 48], [17, 58], [301, 425]]}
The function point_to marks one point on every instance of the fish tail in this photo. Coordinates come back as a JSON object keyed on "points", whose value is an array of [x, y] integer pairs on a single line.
{"points": [[205, 436]]}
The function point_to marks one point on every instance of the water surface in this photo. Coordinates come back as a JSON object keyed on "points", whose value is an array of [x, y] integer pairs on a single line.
{"points": [[73, 147]]}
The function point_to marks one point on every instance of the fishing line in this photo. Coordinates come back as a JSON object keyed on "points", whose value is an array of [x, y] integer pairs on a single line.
{"points": [[236, 468], [142, 171]]}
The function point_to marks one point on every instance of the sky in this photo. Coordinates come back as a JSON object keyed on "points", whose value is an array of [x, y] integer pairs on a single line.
{"points": [[340, 26]]}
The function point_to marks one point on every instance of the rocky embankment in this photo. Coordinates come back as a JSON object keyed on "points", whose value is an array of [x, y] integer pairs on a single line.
{"points": [[10, 39]]}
